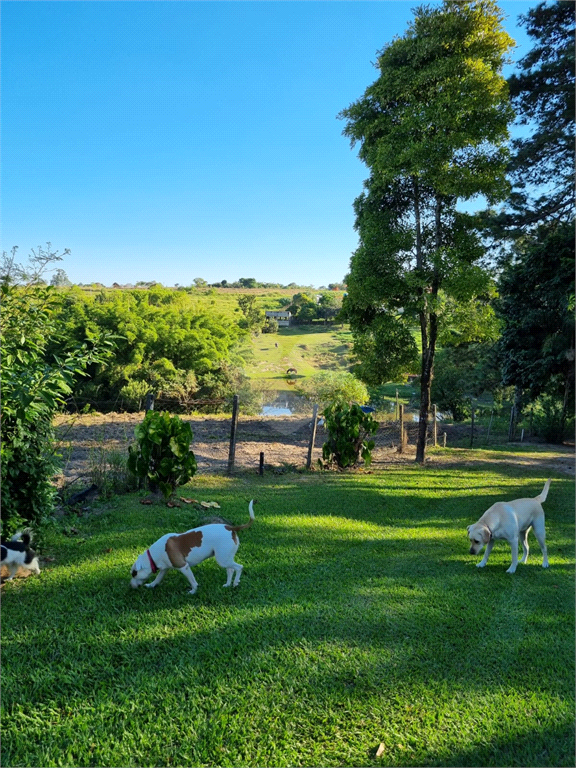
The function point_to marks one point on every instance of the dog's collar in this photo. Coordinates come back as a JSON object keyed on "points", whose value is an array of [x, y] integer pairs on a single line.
{"points": [[152, 563]]}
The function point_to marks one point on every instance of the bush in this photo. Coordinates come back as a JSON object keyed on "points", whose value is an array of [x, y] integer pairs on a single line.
{"points": [[270, 325], [35, 383], [134, 393], [348, 427], [549, 420], [162, 456], [329, 387]]}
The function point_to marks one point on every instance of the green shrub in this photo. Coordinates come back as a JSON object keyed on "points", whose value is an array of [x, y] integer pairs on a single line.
{"points": [[549, 419], [348, 428], [134, 393], [162, 455], [270, 325], [35, 384], [331, 387]]}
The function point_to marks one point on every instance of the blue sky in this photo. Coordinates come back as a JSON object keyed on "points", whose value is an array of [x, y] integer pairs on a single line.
{"points": [[174, 140]]}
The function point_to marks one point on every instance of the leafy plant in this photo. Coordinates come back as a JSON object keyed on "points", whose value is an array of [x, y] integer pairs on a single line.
{"points": [[35, 384], [348, 429], [134, 393], [549, 419], [161, 335], [331, 387], [162, 455]]}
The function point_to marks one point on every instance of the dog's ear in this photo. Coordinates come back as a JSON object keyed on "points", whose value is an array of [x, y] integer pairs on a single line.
{"points": [[468, 529]]}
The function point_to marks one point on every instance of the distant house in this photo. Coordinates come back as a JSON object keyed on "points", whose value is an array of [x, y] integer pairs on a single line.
{"points": [[282, 317]]}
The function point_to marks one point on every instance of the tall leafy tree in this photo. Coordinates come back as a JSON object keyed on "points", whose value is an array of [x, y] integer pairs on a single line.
{"points": [[537, 307], [543, 94], [536, 224], [433, 131]]}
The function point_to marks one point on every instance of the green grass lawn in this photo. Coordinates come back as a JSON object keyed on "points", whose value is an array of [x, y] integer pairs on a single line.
{"points": [[308, 349], [360, 620]]}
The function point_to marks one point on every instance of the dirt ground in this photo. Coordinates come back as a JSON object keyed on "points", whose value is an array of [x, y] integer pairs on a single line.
{"points": [[284, 441]]}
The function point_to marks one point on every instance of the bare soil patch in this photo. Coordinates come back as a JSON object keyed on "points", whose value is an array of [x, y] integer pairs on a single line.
{"points": [[283, 440]]}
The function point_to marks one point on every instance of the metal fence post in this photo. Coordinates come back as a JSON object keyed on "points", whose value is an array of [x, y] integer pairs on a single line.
{"points": [[401, 420]]}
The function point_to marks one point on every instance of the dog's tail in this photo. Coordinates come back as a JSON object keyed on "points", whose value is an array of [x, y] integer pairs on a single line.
{"points": [[248, 524], [24, 536], [542, 497]]}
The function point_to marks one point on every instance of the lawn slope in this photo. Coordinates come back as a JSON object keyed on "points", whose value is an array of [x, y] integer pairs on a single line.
{"points": [[360, 620], [307, 349]]}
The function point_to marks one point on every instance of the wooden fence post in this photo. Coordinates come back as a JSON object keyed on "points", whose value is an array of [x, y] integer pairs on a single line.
{"points": [[232, 450], [261, 468], [512, 424], [490, 425], [312, 437], [401, 424], [434, 427]]}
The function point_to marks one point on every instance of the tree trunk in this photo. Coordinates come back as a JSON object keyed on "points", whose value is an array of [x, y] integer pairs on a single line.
{"points": [[425, 385], [429, 333]]}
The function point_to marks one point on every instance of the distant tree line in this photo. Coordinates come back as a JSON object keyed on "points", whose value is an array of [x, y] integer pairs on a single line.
{"points": [[60, 280]]}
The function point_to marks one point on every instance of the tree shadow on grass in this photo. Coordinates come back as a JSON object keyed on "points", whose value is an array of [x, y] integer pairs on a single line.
{"points": [[540, 745], [321, 617]]}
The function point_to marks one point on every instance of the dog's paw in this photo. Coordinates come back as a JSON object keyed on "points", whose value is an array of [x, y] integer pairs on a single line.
{"points": [[480, 564], [511, 570], [150, 586], [192, 591], [546, 565]]}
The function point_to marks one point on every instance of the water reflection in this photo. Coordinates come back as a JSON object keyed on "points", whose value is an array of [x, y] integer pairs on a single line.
{"points": [[281, 403]]}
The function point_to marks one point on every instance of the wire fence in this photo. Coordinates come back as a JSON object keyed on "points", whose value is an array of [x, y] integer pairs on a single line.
{"points": [[226, 444]]}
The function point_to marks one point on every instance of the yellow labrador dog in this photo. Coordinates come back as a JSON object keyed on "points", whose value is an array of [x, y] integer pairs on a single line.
{"points": [[511, 520]]}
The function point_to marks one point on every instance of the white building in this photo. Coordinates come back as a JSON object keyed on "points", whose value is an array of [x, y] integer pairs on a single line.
{"points": [[282, 317]]}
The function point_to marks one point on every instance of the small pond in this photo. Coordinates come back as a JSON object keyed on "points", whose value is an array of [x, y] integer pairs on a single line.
{"points": [[280, 403]]}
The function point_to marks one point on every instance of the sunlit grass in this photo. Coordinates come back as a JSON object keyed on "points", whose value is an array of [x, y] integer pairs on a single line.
{"points": [[360, 620], [308, 349]]}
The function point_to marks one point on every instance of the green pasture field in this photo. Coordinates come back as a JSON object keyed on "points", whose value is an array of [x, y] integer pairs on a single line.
{"points": [[308, 349], [225, 300], [360, 620]]}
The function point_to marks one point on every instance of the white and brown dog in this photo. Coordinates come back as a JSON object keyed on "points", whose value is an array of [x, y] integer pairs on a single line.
{"points": [[183, 550], [17, 553], [511, 520]]}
